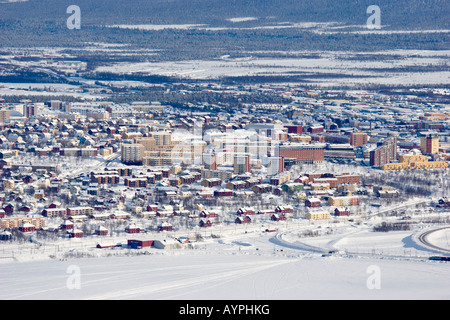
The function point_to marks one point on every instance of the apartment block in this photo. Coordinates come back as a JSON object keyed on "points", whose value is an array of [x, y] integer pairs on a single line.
{"points": [[386, 152], [429, 143], [132, 153], [242, 164], [307, 153]]}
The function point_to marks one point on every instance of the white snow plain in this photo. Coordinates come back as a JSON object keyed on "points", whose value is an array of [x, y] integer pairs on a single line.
{"points": [[243, 264]]}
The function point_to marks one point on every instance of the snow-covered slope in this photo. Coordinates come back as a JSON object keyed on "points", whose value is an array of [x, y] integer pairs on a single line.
{"points": [[214, 276], [249, 266]]}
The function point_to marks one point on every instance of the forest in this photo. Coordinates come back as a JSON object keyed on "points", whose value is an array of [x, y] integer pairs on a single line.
{"points": [[37, 23]]}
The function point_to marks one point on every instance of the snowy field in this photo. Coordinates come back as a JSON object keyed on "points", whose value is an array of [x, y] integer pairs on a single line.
{"points": [[243, 263], [389, 71], [206, 276]]}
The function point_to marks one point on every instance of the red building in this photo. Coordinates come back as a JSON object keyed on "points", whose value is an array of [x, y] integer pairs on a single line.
{"points": [[9, 209], [67, 225], [278, 217], [223, 193], [246, 211], [75, 233], [241, 220], [132, 229], [152, 207], [308, 153], [339, 212], [348, 178], [165, 226], [316, 129], [205, 224], [313, 203], [101, 231], [284, 209], [386, 152], [208, 214], [294, 129], [139, 244], [27, 227], [358, 139], [136, 182]]}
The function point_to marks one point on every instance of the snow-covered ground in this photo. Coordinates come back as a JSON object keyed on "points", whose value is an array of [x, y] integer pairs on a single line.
{"points": [[372, 72], [240, 262], [210, 275]]}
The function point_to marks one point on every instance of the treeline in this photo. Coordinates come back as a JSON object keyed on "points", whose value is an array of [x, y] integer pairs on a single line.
{"points": [[392, 226]]}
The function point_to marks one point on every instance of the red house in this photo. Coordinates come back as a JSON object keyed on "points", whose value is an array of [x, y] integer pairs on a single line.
{"points": [[278, 191], [101, 231], [165, 226], [284, 209], [223, 193], [246, 211], [205, 224], [75, 233], [278, 217], [313, 203], [25, 209], [341, 212], [67, 225], [241, 220], [54, 205], [132, 229], [27, 227], [9, 209], [27, 179], [208, 214]]}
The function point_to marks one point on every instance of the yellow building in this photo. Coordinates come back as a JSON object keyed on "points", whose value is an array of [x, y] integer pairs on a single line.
{"points": [[343, 201], [15, 222], [39, 194], [8, 184], [106, 151], [320, 186], [301, 138], [415, 162], [319, 215]]}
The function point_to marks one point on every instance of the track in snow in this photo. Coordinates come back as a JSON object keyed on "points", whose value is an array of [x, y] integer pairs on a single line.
{"points": [[423, 239]]}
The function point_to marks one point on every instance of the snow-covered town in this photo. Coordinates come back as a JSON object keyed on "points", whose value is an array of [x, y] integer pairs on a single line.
{"points": [[283, 154], [303, 179]]}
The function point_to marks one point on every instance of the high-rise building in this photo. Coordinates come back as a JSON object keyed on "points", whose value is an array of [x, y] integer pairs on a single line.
{"points": [[4, 116], [358, 139], [29, 110], [429, 143], [275, 165], [386, 152], [162, 138], [148, 143], [132, 153], [55, 104], [210, 161], [242, 163]]}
